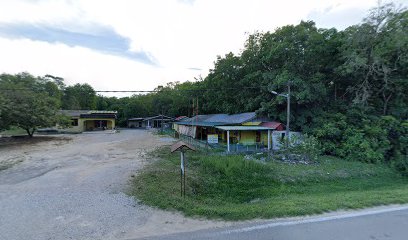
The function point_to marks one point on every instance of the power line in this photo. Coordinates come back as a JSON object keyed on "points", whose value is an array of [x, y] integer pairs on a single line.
{"points": [[148, 91]]}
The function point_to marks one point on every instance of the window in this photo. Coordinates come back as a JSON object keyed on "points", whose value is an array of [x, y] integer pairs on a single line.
{"points": [[74, 122], [258, 136]]}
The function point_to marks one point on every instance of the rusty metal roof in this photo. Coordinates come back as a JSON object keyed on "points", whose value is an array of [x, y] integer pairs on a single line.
{"points": [[273, 125], [179, 146], [180, 118]]}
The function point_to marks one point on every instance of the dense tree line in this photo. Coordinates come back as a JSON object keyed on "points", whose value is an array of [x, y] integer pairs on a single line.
{"points": [[348, 88]]}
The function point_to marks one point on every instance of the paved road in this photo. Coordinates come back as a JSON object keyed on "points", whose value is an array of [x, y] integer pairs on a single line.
{"points": [[380, 223]]}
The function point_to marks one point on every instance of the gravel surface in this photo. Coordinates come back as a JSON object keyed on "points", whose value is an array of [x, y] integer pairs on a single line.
{"points": [[73, 189]]}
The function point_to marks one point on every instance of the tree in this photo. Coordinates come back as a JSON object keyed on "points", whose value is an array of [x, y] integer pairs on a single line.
{"points": [[79, 97], [27, 104], [375, 56], [4, 110]]}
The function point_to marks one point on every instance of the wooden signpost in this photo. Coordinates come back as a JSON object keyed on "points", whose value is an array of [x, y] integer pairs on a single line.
{"points": [[182, 148]]}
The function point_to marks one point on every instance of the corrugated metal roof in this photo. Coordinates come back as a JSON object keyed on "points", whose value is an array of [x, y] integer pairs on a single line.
{"points": [[73, 113], [158, 117], [98, 115], [202, 124], [243, 128], [77, 113], [225, 119], [135, 119]]}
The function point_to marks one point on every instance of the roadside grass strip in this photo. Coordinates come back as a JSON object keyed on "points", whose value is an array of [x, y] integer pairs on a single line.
{"points": [[235, 188]]}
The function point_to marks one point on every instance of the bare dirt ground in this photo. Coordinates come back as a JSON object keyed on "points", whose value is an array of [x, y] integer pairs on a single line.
{"points": [[72, 187]]}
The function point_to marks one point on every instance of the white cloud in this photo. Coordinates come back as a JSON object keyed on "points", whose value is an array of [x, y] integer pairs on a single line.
{"points": [[179, 34], [81, 65]]}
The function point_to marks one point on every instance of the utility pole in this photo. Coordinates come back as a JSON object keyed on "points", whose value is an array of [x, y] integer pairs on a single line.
{"points": [[161, 126], [288, 116], [287, 96]]}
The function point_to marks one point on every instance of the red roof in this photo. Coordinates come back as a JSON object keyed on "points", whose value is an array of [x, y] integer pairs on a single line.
{"points": [[179, 118], [274, 125]]}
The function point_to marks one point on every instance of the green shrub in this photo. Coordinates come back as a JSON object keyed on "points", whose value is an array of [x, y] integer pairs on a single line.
{"points": [[360, 137], [307, 149], [358, 145]]}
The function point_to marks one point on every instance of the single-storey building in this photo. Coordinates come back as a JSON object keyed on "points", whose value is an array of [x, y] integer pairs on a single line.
{"points": [[90, 120], [149, 122], [135, 123], [243, 129]]}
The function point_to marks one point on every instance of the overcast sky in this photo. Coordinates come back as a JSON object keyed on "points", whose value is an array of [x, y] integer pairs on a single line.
{"points": [[140, 44]]}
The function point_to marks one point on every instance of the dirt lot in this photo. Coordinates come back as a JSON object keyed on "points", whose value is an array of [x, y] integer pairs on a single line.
{"points": [[72, 187]]}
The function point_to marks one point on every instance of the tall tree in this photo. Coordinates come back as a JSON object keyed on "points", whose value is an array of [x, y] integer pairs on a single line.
{"points": [[28, 105], [375, 56], [79, 97]]}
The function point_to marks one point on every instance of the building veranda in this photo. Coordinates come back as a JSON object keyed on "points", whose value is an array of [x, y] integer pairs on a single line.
{"points": [[238, 132]]}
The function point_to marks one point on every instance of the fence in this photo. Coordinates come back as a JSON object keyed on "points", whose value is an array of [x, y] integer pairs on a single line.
{"points": [[234, 148], [241, 148], [195, 142]]}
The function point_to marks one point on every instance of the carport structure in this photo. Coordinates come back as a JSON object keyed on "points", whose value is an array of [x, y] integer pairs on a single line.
{"points": [[247, 134]]}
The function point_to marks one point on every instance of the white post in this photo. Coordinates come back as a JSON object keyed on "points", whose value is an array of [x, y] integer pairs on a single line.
{"points": [[182, 162], [228, 141], [269, 139]]}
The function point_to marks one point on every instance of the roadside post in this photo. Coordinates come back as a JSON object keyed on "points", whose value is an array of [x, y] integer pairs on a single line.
{"points": [[182, 147]]}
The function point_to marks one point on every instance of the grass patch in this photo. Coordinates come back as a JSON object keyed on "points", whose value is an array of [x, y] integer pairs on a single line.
{"points": [[232, 188], [13, 131]]}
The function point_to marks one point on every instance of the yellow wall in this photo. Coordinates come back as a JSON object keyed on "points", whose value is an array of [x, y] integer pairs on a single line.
{"points": [[87, 123], [248, 137], [264, 137]]}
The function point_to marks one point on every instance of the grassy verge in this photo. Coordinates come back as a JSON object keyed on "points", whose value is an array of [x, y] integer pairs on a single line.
{"points": [[232, 188]]}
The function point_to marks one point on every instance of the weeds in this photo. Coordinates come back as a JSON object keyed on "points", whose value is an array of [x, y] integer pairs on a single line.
{"points": [[233, 188]]}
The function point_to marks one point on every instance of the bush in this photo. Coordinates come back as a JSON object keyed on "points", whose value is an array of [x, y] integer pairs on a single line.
{"points": [[366, 145], [362, 137], [305, 149]]}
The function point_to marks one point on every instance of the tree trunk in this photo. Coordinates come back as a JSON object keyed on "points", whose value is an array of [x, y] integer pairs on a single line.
{"points": [[30, 133], [386, 100]]}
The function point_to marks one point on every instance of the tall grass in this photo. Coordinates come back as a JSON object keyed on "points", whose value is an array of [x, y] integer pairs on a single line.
{"points": [[231, 187]]}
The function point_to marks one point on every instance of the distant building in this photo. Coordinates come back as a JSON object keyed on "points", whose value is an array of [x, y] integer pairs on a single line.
{"points": [[90, 120], [149, 122]]}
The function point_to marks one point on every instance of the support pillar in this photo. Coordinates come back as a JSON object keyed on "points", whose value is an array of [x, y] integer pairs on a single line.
{"points": [[269, 140], [228, 141]]}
